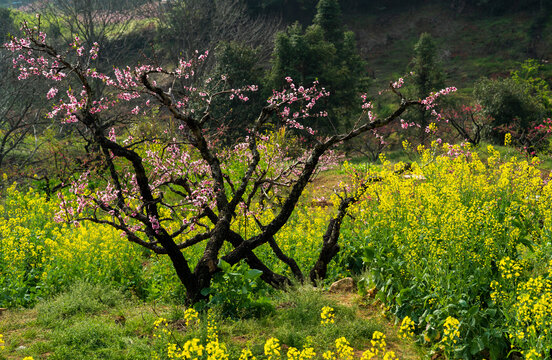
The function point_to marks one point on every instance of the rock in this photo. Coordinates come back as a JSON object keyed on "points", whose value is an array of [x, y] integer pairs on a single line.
{"points": [[343, 285]]}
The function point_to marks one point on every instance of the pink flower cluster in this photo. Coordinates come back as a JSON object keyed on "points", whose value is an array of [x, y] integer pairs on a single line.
{"points": [[398, 84], [304, 99], [69, 107], [406, 124], [430, 101]]}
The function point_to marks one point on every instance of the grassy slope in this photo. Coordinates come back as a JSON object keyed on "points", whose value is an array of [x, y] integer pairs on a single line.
{"points": [[91, 322], [471, 44]]}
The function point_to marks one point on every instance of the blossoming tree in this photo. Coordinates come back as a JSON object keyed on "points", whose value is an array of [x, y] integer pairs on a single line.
{"points": [[179, 188]]}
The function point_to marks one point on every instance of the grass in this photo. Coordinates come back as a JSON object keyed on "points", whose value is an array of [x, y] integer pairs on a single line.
{"points": [[101, 322]]}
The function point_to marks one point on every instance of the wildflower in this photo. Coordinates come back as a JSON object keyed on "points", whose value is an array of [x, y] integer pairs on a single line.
{"points": [[367, 355], [293, 353], [272, 348], [246, 354], [407, 328], [507, 139], [307, 353], [532, 355], [191, 316], [343, 349], [327, 315], [451, 332], [216, 351]]}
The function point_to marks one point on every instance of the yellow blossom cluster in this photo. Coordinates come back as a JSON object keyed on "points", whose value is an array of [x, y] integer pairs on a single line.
{"points": [[379, 348], [451, 331], [531, 316], [191, 317], [327, 315], [343, 349], [509, 268], [407, 328], [272, 348]]}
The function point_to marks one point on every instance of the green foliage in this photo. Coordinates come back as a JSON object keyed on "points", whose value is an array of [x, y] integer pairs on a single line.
{"points": [[507, 101], [427, 77], [322, 52], [530, 75], [7, 25], [240, 65], [328, 17], [239, 292], [428, 74], [239, 62]]}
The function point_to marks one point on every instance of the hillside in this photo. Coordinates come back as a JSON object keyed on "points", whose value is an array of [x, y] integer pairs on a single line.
{"points": [[472, 44]]}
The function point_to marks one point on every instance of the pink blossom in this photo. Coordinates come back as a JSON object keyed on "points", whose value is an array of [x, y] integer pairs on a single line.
{"points": [[51, 93]]}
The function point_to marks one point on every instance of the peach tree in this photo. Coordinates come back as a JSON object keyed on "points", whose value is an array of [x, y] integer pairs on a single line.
{"points": [[177, 187]]}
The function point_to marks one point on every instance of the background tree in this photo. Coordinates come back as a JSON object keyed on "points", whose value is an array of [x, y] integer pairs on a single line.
{"points": [[6, 24], [510, 104], [187, 26], [427, 77], [328, 17], [109, 22], [20, 116], [239, 65], [471, 123], [308, 55], [21, 109]]}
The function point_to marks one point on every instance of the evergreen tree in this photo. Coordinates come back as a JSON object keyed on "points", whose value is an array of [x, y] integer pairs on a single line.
{"points": [[328, 17], [318, 53], [239, 65], [6, 24], [428, 76]]}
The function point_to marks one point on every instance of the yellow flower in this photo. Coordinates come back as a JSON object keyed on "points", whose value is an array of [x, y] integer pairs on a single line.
{"points": [[272, 348], [451, 332], [407, 328], [293, 353], [327, 315], [246, 354], [507, 139], [191, 316], [343, 349]]}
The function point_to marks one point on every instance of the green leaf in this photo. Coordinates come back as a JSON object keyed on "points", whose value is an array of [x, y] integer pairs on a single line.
{"points": [[473, 310], [206, 291], [527, 242], [224, 265], [477, 345], [252, 274]]}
